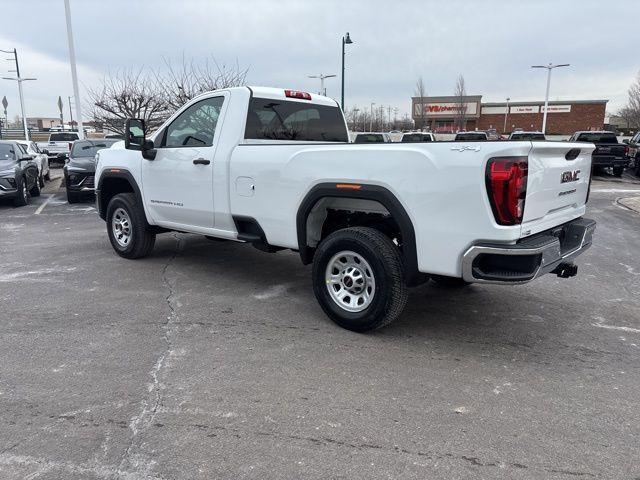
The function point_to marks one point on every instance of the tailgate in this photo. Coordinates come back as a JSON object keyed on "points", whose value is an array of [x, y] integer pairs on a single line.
{"points": [[610, 149], [556, 187]]}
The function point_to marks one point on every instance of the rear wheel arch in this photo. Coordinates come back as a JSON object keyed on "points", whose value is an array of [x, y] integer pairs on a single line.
{"points": [[375, 194]]}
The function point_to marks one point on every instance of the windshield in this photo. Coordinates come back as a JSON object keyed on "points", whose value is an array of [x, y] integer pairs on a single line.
{"points": [[270, 119], [6, 152], [416, 137], [88, 148], [369, 138], [528, 136], [597, 137], [471, 136], [63, 137]]}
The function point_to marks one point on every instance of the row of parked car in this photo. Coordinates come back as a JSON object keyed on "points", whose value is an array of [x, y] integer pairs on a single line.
{"points": [[25, 167], [609, 152]]}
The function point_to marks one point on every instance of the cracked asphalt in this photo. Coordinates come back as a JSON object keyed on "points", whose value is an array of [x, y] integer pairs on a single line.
{"points": [[213, 360]]}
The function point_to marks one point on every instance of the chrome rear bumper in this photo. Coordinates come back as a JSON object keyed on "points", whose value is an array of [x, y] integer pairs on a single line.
{"points": [[529, 258]]}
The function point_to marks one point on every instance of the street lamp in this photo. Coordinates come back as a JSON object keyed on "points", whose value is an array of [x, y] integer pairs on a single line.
{"points": [[506, 113], [19, 79], [74, 72], [323, 91], [371, 119], [549, 67], [346, 40]]}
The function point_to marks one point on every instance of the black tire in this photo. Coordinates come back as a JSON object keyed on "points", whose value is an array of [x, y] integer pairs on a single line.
{"points": [[35, 190], [22, 196], [390, 293], [140, 240], [617, 171], [449, 282], [638, 167], [73, 197]]}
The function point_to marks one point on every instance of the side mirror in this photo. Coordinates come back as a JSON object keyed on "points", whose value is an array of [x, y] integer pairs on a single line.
{"points": [[134, 134], [626, 140], [134, 138]]}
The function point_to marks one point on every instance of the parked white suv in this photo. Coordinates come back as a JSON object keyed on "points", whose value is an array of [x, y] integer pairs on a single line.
{"points": [[274, 168]]}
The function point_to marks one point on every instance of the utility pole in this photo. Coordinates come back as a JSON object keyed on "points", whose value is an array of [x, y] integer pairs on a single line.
{"points": [[323, 90], [19, 79], [74, 72], [549, 67], [506, 113], [70, 114]]}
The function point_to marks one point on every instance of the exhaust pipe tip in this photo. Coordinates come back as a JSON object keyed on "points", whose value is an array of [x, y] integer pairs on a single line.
{"points": [[566, 270]]}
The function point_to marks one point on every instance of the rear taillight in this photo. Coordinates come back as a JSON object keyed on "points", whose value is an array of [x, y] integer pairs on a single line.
{"points": [[297, 94], [626, 150], [506, 179], [70, 145]]}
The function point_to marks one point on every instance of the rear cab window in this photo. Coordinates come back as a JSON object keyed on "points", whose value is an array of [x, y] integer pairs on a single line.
{"points": [[597, 137], [63, 137], [274, 119]]}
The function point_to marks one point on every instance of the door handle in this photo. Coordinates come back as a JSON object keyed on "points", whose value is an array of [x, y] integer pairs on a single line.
{"points": [[201, 161]]}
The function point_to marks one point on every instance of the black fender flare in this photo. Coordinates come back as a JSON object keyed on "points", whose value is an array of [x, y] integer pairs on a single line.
{"points": [[115, 173], [369, 192]]}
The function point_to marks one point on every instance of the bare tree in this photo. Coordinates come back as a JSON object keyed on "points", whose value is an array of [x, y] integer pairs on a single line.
{"points": [[632, 110], [155, 95], [420, 93], [460, 93], [180, 84], [128, 94]]}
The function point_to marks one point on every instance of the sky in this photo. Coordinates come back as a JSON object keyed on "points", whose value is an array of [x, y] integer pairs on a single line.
{"points": [[492, 43]]}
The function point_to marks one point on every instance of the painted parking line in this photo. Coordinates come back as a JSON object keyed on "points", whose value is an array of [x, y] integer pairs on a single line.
{"points": [[41, 207]]}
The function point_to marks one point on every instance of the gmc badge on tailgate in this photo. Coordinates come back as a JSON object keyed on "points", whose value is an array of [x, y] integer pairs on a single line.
{"points": [[567, 177]]}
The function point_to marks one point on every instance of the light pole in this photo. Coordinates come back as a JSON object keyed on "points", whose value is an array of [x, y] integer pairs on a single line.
{"points": [[371, 119], [74, 72], [346, 40], [506, 114], [323, 90], [19, 79], [549, 67]]}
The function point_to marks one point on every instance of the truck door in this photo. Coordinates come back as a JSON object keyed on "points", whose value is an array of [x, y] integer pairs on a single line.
{"points": [[178, 183]]}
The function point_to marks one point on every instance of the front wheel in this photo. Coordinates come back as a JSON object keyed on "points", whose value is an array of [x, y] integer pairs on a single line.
{"points": [[617, 171], [358, 279], [22, 195], [126, 227]]}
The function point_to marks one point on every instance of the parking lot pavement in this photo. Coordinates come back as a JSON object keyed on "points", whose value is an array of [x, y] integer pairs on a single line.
{"points": [[213, 360]]}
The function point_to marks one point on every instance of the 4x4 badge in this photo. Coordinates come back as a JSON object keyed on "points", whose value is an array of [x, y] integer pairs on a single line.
{"points": [[567, 177]]}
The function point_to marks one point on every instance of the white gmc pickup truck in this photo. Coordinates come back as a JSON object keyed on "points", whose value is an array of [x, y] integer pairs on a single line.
{"points": [[274, 168]]}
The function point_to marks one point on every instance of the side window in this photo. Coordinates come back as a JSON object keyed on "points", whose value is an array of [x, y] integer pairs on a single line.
{"points": [[196, 126]]}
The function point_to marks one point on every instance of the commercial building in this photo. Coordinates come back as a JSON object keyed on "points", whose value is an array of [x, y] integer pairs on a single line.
{"points": [[442, 114]]}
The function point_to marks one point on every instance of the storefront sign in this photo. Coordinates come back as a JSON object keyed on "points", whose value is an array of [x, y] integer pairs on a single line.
{"points": [[524, 109], [557, 109], [445, 109]]}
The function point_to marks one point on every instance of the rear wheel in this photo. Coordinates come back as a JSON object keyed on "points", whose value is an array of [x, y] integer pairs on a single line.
{"points": [[126, 227], [35, 190], [22, 195], [617, 171], [358, 279]]}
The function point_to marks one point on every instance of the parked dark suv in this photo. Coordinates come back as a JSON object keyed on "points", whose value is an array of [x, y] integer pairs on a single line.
{"points": [[18, 173], [80, 169]]}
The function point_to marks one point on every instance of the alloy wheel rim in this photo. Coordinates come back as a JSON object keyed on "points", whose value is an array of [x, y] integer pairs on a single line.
{"points": [[350, 281], [121, 227]]}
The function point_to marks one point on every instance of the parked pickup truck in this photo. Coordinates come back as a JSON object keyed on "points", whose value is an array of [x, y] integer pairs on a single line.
{"points": [[275, 168], [59, 145], [608, 152]]}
